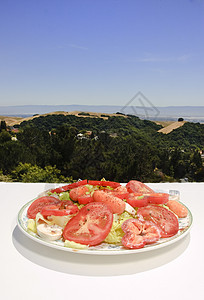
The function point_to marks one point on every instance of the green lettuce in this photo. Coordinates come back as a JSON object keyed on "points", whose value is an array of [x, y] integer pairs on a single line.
{"points": [[116, 233]]}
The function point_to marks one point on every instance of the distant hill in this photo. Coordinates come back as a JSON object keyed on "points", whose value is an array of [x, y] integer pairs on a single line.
{"points": [[167, 126], [181, 133], [11, 121], [97, 122], [189, 113]]}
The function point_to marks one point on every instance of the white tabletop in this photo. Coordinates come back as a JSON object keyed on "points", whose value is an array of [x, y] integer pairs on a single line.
{"points": [[33, 271]]}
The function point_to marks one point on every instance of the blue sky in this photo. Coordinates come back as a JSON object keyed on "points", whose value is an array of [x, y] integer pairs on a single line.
{"points": [[101, 52]]}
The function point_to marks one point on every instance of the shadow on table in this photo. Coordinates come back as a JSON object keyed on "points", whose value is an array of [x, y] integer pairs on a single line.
{"points": [[96, 265]]}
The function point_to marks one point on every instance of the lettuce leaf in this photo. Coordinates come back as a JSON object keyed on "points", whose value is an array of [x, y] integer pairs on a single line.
{"points": [[31, 226], [116, 233], [71, 244]]}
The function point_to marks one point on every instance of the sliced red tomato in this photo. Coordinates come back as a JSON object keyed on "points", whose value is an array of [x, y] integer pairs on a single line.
{"points": [[178, 208], [104, 183], [158, 198], [112, 184], [39, 203], [116, 205], [121, 189], [78, 183], [137, 200], [139, 233], [162, 217], [54, 210], [118, 194], [65, 203], [151, 232], [77, 192], [85, 199], [90, 226], [94, 182], [134, 186], [60, 189], [132, 238], [69, 186]]}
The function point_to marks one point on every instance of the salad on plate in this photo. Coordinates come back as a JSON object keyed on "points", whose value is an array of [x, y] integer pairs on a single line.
{"points": [[89, 214]]}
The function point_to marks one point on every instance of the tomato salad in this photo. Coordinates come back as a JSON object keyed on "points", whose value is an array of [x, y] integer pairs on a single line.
{"points": [[89, 212]]}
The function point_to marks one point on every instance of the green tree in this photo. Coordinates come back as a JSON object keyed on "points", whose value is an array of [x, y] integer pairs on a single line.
{"points": [[4, 137], [63, 143], [86, 160], [5, 178], [196, 159], [33, 173], [11, 153], [199, 175], [3, 126], [38, 142]]}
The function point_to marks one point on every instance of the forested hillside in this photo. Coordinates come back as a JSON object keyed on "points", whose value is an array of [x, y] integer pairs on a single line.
{"points": [[59, 148]]}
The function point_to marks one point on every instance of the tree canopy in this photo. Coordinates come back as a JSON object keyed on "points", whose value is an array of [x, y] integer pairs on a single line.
{"points": [[59, 148]]}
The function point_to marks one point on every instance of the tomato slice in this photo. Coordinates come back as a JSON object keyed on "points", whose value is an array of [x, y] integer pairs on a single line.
{"points": [[132, 238], [112, 184], [116, 205], [69, 186], [121, 189], [118, 194], [139, 233], [90, 226], [60, 189], [94, 182], [162, 217], [137, 200], [178, 208], [77, 192], [85, 199], [65, 203], [104, 183], [134, 186], [158, 198], [39, 203], [78, 183], [54, 210]]}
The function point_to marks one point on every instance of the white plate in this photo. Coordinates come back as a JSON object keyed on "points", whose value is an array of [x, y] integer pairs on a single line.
{"points": [[104, 249]]}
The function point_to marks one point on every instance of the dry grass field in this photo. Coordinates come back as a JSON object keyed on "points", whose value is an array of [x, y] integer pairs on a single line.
{"points": [[169, 126], [10, 121]]}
